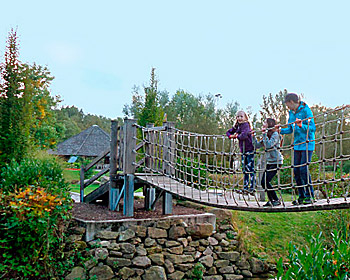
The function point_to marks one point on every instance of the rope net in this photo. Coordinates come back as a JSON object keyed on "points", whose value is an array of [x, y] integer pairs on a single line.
{"points": [[211, 169]]}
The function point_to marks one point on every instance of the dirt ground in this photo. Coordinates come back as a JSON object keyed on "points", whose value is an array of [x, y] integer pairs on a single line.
{"points": [[95, 212]]}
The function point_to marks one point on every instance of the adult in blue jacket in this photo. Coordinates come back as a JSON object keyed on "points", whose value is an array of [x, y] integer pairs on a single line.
{"points": [[301, 123]]}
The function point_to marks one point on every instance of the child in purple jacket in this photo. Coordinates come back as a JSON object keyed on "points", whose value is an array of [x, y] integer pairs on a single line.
{"points": [[242, 131]]}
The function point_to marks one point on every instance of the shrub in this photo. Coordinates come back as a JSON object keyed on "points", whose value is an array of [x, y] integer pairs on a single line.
{"points": [[191, 170], [346, 167], [318, 261], [285, 173], [43, 170], [34, 214]]}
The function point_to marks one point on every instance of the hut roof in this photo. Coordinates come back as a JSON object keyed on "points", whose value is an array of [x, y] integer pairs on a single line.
{"points": [[90, 142]]}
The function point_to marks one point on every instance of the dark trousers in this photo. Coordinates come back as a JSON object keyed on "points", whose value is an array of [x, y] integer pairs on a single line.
{"points": [[248, 170], [301, 173], [269, 173]]}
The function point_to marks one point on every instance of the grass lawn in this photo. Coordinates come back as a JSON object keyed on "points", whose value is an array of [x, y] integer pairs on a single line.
{"points": [[267, 235], [73, 178]]}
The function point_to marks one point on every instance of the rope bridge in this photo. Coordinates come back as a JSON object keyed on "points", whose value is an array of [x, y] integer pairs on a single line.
{"points": [[207, 168]]}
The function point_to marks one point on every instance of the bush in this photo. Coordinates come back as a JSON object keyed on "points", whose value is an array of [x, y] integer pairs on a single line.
{"points": [[34, 214], [346, 167], [318, 261], [44, 171], [190, 170], [285, 174]]}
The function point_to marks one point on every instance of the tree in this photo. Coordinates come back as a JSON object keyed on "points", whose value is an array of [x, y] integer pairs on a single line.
{"points": [[146, 108], [15, 105], [273, 107], [26, 116], [45, 130]]}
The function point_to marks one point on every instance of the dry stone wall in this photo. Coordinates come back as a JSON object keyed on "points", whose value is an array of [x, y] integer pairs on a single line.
{"points": [[168, 249]]}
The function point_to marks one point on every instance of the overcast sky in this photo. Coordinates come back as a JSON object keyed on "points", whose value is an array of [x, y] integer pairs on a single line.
{"points": [[98, 50]]}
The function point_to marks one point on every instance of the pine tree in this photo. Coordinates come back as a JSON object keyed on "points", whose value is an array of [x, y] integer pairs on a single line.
{"points": [[15, 105]]}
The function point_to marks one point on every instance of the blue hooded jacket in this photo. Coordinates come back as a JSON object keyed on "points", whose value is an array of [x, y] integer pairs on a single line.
{"points": [[303, 133]]}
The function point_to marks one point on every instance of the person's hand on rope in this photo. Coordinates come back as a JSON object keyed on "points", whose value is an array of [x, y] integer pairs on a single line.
{"points": [[279, 126], [233, 136], [298, 122]]}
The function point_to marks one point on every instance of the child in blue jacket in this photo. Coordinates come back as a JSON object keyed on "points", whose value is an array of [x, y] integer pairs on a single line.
{"points": [[301, 122]]}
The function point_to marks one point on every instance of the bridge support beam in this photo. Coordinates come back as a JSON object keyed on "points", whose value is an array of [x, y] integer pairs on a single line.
{"points": [[113, 188], [129, 159], [150, 198], [128, 209], [167, 203]]}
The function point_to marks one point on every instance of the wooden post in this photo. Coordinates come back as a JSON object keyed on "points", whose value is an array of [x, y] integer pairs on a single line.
{"points": [[168, 158], [150, 193], [128, 210], [129, 157], [82, 179], [113, 189], [150, 197], [129, 160]]}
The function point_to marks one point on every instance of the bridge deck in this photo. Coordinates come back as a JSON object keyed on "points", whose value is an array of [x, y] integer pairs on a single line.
{"points": [[235, 201]]}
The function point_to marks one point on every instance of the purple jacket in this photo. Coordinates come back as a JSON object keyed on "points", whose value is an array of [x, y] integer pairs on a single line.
{"points": [[245, 138]]}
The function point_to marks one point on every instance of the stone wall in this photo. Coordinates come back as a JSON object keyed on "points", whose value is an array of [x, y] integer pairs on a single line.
{"points": [[167, 249]]}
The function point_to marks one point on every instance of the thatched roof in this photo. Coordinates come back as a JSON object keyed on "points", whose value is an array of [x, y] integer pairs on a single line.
{"points": [[90, 142]]}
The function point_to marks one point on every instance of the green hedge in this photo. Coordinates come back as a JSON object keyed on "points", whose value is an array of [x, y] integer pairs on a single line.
{"points": [[34, 213]]}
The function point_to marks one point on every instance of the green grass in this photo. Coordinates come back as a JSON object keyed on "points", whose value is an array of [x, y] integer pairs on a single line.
{"points": [[73, 178], [267, 235]]}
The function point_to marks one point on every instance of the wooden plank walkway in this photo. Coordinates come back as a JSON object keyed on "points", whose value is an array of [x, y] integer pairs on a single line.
{"points": [[235, 201]]}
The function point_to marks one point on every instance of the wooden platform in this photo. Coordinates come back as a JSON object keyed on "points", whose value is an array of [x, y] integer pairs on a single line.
{"points": [[233, 200]]}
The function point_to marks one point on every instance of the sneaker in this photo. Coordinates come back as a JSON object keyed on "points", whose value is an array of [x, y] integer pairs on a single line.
{"points": [[307, 200], [276, 203], [300, 200], [268, 204], [251, 191]]}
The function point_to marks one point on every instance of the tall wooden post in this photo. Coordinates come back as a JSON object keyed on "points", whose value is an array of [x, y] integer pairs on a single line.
{"points": [[168, 159], [113, 189], [129, 160], [150, 193]]}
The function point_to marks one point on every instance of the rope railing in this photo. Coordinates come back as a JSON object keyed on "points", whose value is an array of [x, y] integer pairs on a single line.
{"points": [[208, 168]]}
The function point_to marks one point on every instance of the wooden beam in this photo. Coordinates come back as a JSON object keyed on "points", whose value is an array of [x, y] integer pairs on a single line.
{"points": [[82, 179], [113, 190], [139, 146], [129, 156], [97, 159], [95, 177], [129, 195]]}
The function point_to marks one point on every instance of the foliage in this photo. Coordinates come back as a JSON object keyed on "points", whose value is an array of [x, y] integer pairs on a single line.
{"points": [[75, 121], [146, 108], [316, 261], [197, 272], [15, 105], [346, 167], [192, 172], [194, 113], [26, 116], [338, 220], [44, 130], [328, 126], [274, 107], [34, 213], [286, 170], [40, 170]]}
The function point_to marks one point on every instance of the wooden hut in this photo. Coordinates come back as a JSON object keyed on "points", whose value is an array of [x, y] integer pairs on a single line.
{"points": [[89, 143]]}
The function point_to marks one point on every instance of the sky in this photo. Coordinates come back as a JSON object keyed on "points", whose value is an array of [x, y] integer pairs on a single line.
{"points": [[99, 50]]}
